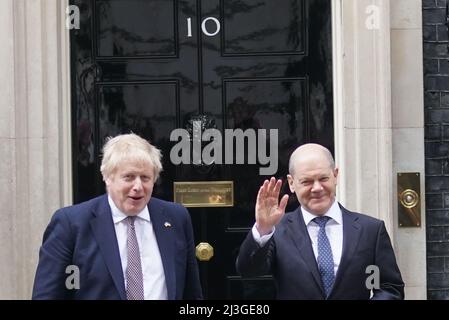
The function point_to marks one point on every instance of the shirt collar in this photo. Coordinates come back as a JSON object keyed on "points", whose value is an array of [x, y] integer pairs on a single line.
{"points": [[118, 215], [334, 212]]}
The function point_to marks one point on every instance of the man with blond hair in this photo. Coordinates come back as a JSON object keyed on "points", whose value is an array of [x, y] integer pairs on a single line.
{"points": [[124, 245]]}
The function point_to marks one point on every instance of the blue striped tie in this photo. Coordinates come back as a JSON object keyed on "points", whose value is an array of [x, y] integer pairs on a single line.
{"points": [[325, 258]]}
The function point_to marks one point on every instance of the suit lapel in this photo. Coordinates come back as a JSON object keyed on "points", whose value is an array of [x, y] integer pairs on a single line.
{"points": [[103, 229], [165, 241], [302, 242], [351, 234]]}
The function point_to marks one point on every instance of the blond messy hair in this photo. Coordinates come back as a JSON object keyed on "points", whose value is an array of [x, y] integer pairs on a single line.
{"points": [[129, 147]]}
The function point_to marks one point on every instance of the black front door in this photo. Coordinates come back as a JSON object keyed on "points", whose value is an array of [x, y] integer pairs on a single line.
{"points": [[152, 66]]}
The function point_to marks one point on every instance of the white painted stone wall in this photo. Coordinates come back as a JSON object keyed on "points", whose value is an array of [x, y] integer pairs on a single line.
{"points": [[379, 121], [34, 134], [408, 132]]}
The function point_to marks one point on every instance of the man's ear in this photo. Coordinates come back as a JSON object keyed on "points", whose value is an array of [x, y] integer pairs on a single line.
{"points": [[107, 181], [290, 183], [336, 172]]}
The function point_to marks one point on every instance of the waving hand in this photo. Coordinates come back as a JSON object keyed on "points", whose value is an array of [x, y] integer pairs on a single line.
{"points": [[269, 210]]}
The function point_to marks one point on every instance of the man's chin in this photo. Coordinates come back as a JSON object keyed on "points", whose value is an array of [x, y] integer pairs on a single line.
{"points": [[319, 209], [134, 209]]}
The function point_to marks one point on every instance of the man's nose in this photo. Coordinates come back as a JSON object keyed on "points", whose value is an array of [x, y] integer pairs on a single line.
{"points": [[317, 186], [137, 184]]}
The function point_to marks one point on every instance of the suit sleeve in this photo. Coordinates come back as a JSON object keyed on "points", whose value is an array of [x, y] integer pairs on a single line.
{"points": [[192, 290], [254, 260], [391, 284], [54, 256]]}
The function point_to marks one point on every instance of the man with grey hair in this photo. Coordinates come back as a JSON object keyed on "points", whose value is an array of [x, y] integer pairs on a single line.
{"points": [[321, 250], [125, 244]]}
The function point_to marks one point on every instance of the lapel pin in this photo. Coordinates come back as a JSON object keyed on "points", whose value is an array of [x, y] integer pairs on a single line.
{"points": [[167, 224]]}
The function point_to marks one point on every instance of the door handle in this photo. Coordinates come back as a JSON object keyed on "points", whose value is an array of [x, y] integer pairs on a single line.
{"points": [[204, 251]]}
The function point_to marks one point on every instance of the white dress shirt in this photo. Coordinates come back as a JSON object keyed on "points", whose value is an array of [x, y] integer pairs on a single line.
{"points": [[334, 232], [152, 269]]}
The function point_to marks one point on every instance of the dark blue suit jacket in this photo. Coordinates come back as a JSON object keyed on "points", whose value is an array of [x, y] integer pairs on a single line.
{"points": [[289, 257], [83, 235]]}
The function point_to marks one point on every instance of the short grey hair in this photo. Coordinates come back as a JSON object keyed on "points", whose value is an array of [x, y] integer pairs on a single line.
{"points": [[129, 147], [324, 150]]}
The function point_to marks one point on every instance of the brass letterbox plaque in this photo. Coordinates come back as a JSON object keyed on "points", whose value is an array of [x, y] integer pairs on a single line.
{"points": [[409, 199], [204, 193]]}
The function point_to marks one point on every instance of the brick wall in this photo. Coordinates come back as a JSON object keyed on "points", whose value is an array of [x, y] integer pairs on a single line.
{"points": [[436, 104]]}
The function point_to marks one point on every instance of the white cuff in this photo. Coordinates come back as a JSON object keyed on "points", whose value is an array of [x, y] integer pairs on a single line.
{"points": [[261, 240]]}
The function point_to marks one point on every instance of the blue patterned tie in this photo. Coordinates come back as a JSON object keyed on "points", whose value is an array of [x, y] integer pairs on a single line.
{"points": [[325, 258]]}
